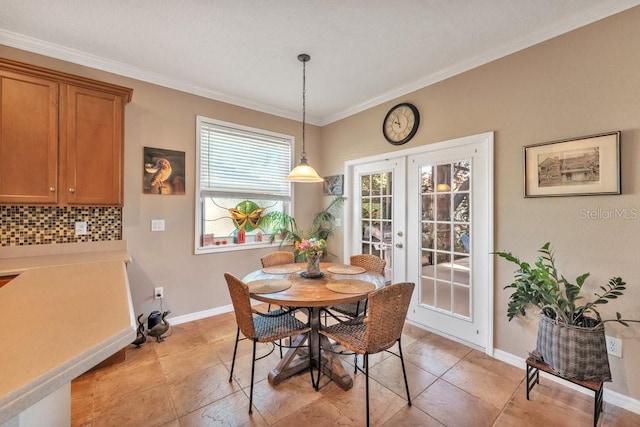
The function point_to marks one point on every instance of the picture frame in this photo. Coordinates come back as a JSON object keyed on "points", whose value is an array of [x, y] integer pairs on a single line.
{"points": [[333, 185], [163, 171], [588, 165]]}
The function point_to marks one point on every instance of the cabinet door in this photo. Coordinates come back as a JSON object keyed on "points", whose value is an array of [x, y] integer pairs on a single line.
{"points": [[28, 139], [92, 169]]}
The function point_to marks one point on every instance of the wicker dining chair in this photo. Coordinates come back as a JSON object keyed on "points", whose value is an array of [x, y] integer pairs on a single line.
{"points": [[277, 258], [369, 263], [379, 331], [259, 327]]}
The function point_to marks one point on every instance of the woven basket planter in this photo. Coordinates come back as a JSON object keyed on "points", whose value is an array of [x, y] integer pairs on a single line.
{"points": [[574, 351]]}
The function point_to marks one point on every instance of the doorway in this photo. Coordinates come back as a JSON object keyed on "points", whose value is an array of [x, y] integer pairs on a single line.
{"points": [[428, 212]]}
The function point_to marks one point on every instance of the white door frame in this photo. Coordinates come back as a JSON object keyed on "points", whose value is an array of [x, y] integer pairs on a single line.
{"points": [[485, 138]]}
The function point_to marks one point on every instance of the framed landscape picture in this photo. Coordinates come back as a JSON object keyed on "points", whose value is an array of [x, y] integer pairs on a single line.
{"points": [[573, 167]]}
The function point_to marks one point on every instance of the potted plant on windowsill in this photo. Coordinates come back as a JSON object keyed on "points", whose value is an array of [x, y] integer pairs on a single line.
{"points": [[571, 337], [285, 228]]}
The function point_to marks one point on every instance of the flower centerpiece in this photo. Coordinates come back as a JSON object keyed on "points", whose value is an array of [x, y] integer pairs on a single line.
{"points": [[312, 249]]}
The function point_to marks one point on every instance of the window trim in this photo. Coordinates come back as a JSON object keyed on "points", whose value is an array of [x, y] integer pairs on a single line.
{"points": [[198, 249]]}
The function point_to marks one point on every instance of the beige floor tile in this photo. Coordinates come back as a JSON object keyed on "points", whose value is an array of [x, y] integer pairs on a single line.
{"points": [[201, 388], [144, 352], [179, 338], [413, 331], [130, 379], [217, 327], [351, 404], [410, 416], [277, 402], [232, 410], [389, 373], [179, 365], [187, 376], [497, 367], [491, 387], [82, 413], [319, 413], [151, 407], [445, 344], [614, 416], [546, 407], [242, 369], [432, 359], [453, 407]]}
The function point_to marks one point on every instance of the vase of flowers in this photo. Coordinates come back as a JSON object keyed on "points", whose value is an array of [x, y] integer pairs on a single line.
{"points": [[313, 249]]}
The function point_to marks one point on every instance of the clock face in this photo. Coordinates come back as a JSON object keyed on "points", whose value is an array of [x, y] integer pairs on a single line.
{"points": [[401, 123]]}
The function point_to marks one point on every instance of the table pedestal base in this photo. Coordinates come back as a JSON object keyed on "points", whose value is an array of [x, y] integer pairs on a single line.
{"points": [[297, 358]]}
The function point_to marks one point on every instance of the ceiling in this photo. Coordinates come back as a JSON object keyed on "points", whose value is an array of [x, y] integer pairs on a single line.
{"points": [[363, 52]]}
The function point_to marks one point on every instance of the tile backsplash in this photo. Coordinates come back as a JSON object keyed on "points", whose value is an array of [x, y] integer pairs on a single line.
{"points": [[43, 225]]}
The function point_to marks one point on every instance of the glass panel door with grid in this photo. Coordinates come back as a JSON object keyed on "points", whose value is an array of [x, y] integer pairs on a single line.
{"points": [[444, 217], [380, 218], [449, 224]]}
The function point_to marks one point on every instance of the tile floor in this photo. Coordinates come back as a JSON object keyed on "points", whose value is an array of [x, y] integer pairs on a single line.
{"points": [[183, 381]]}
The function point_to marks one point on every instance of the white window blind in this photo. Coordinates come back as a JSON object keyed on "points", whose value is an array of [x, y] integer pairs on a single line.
{"points": [[240, 161]]}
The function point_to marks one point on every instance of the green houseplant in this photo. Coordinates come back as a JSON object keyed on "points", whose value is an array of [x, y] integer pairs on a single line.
{"points": [[285, 228], [571, 335]]}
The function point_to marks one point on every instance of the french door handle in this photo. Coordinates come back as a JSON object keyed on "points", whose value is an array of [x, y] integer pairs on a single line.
{"points": [[399, 245]]}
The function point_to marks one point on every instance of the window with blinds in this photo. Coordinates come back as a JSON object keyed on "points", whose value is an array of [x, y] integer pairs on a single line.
{"points": [[240, 181]]}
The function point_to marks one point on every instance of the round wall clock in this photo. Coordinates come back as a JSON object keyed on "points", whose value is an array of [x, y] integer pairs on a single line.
{"points": [[401, 123]]}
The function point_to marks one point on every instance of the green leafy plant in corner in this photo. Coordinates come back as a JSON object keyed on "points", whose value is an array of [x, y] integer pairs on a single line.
{"points": [[285, 228], [542, 286]]}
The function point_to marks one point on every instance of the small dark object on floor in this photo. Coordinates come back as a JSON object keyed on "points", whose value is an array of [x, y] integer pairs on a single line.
{"points": [[140, 336], [154, 319], [158, 330]]}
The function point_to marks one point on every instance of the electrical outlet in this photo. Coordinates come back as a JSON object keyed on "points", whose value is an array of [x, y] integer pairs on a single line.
{"points": [[81, 228], [614, 346], [157, 225], [158, 293]]}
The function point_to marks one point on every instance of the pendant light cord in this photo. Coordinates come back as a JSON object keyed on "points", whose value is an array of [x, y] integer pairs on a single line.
{"points": [[304, 105]]}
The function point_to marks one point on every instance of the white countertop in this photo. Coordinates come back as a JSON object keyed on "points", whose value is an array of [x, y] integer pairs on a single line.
{"points": [[61, 316]]}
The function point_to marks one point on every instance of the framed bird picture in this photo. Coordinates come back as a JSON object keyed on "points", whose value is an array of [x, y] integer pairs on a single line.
{"points": [[163, 171]]}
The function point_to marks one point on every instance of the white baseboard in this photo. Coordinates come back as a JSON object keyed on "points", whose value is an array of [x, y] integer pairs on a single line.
{"points": [[201, 314], [206, 313], [609, 396]]}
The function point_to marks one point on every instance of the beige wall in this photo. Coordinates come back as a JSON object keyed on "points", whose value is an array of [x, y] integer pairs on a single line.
{"points": [[165, 118], [584, 82]]}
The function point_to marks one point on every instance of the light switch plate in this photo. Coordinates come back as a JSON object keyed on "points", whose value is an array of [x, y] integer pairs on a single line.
{"points": [[81, 228], [157, 225]]}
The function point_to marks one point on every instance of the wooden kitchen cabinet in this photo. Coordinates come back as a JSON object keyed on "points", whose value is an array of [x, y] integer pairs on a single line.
{"points": [[91, 143], [28, 139], [61, 138]]}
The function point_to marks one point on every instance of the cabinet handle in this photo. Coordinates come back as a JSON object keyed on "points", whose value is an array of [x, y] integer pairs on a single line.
{"points": [[72, 190], [52, 189]]}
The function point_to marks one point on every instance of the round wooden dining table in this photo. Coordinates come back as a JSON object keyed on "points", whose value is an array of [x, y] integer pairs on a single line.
{"points": [[285, 285]]}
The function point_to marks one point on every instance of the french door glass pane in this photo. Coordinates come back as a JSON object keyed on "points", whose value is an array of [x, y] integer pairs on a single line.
{"points": [[446, 229], [376, 201]]}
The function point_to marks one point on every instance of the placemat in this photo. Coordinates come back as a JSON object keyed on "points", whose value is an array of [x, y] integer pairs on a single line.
{"points": [[268, 286], [350, 286], [282, 269], [345, 269]]}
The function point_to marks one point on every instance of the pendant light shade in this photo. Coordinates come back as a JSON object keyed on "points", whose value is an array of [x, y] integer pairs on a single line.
{"points": [[304, 172]]}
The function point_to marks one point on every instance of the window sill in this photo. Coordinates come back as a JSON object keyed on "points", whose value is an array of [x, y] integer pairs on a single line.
{"points": [[232, 247]]}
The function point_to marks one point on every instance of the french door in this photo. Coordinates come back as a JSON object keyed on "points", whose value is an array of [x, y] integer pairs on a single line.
{"points": [[378, 210], [428, 212]]}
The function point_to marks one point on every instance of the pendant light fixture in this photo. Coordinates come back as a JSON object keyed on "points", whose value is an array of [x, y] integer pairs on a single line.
{"points": [[304, 172]]}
